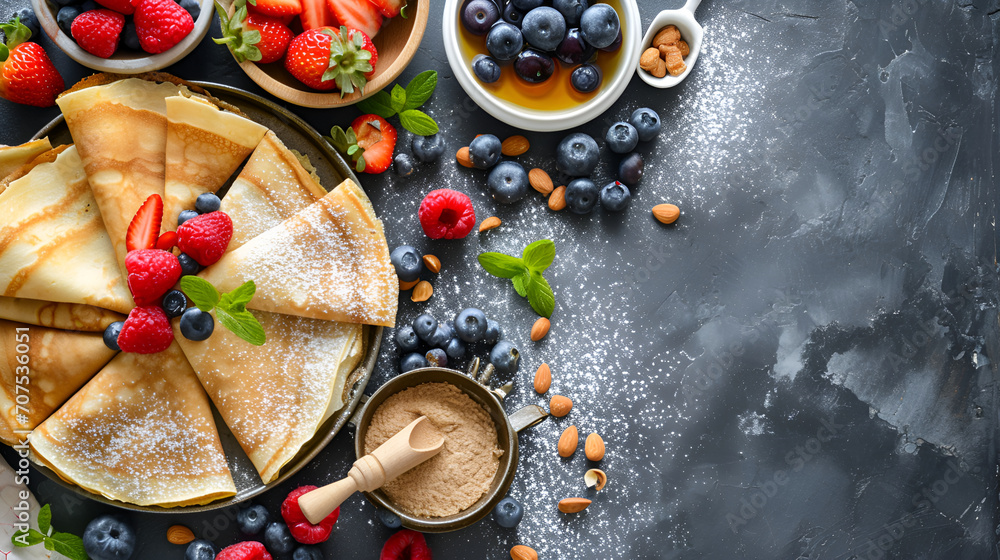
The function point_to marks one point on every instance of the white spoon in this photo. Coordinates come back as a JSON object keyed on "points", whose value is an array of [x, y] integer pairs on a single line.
{"points": [[691, 32]]}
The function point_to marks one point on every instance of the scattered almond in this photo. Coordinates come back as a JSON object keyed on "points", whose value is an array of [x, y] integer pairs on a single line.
{"points": [[179, 534], [560, 406], [669, 35], [514, 146], [649, 59], [540, 329], [432, 263], [540, 180], [594, 447], [489, 223], [666, 213], [596, 479], [573, 505], [543, 379], [403, 286], [521, 552], [422, 291], [568, 442], [557, 200], [463, 157]]}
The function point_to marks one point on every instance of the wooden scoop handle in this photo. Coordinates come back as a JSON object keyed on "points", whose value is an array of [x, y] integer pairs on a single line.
{"points": [[414, 444]]}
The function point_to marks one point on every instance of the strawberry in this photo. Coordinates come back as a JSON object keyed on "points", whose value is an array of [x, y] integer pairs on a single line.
{"points": [[151, 273], [204, 238], [27, 75], [316, 14], [247, 550], [357, 14], [389, 8], [145, 225], [326, 58], [369, 141], [120, 6], [406, 544], [146, 331], [167, 241], [97, 31], [300, 527], [267, 45], [276, 8], [161, 24]]}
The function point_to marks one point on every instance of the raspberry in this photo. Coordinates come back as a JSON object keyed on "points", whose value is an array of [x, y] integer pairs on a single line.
{"points": [[146, 331], [151, 273], [246, 550], [205, 237], [120, 6], [97, 31], [447, 214], [302, 530], [406, 544], [160, 24]]}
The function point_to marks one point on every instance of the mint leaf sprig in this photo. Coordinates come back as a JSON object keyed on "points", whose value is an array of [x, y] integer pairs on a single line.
{"points": [[230, 307], [406, 102], [526, 273], [67, 544]]}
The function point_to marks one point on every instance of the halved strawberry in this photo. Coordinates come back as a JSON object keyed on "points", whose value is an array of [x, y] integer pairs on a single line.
{"points": [[389, 8], [326, 58], [276, 8], [255, 37], [316, 14], [144, 229], [167, 241], [369, 141], [357, 14]]}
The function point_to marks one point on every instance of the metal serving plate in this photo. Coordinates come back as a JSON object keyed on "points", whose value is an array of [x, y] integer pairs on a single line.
{"points": [[332, 170]]}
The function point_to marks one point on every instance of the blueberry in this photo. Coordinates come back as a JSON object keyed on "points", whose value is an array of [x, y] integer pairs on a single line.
{"points": [[436, 357], [186, 215], [512, 15], [504, 41], [406, 339], [65, 17], [646, 123], [507, 182], [130, 37], [573, 49], [28, 19], [577, 155], [486, 68], [534, 66], [442, 334], [615, 45], [508, 513], [478, 16], [108, 537], [630, 169], [543, 28], [455, 348], [408, 261], [425, 324], [582, 196], [403, 165], [192, 7], [493, 332], [526, 5], [622, 138], [470, 324], [196, 324], [307, 553], [66, 2], [412, 361], [615, 197], [586, 78], [600, 25], [571, 10], [88, 6], [252, 520], [389, 519], [429, 148], [111, 335], [207, 202], [278, 538], [484, 151], [202, 550], [189, 266], [504, 357], [174, 303]]}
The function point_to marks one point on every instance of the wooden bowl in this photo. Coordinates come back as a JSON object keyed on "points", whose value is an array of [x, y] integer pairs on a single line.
{"points": [[396, 44]]}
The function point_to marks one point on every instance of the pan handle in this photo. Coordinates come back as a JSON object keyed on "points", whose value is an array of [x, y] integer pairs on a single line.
{"points": [[527, 417]]}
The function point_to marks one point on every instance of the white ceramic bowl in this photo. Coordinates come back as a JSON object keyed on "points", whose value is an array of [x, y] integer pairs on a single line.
{"points": [[124, 61], [533, 119], [691, 32]]}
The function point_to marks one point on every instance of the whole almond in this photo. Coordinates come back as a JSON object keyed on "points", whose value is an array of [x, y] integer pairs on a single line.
{"points": [[540, 180], [432, 263], [543, 379], [557, 200], [179, 534], [573, 505], [666, 213], [403, 286], [596, 479], [684, 47], [463, 157], [489, 223], [568, 442], [649, 59], [669, 35], [540, 329], [594, 447], [560, 406], [661, 68], [422, 291], [521, 552], [514, 146]]}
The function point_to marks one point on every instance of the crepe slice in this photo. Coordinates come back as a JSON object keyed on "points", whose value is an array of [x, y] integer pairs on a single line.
{"points": [[205, 145], [272, 186], [140, 432], [13, 158], [53, 245], [57, 315], [329, 261], [121, 131], [58, 363], [274, 397]]}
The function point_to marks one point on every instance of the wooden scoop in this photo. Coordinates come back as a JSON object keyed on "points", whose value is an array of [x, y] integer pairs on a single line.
{"points": [[413, 445]]}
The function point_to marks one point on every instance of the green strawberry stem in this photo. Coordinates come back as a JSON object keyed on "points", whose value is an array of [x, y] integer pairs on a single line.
{"points": [[241, 41], [349, 61], [15, 33]]}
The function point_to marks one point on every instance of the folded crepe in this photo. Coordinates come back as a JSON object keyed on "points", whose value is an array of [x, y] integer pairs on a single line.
{"points": [[120, 129], [59, 363], [140, 432], [57, 315], [205, 145], [274, 397], [329, 261], [272, 186], [13, 158], [53, 245]]}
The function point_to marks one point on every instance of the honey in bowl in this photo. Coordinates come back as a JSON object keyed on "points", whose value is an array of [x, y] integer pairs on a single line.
{"points": [[555, 93]]}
